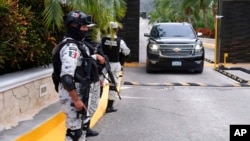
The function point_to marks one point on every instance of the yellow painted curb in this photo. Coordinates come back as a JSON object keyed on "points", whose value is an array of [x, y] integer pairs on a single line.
{"points": [[208, 45], [100, 111], [133, 64], [42, 129]]}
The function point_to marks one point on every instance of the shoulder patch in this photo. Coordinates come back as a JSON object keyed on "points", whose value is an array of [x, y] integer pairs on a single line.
{"points": [[73, 48], [72, 53], [112, 43]]}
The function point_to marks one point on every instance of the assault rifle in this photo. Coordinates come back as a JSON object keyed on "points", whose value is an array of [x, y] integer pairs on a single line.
{"points": [[84, 88], [97, 49], [82, 75]]}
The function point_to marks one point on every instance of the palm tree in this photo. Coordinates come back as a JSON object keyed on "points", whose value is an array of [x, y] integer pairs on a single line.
{"points": [[166, 11], [53, 14], [190, 8], [204, 6], [183, 10], [102, 11], [214, 6], [176, 10]]}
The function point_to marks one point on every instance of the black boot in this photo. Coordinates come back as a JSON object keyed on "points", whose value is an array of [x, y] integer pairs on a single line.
{"points": [[90, 132], [110, 107]]}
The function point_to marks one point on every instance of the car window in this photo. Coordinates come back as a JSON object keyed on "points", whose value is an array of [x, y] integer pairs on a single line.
{"points": [[154, 32], [168, 30]]}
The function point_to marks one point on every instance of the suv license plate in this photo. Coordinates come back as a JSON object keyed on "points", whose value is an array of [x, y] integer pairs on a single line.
{"points": [[176, 63]]}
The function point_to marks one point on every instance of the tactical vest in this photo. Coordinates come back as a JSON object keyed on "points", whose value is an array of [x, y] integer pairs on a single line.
{"points": [[111, 47], [95, 48], [87, 70]]}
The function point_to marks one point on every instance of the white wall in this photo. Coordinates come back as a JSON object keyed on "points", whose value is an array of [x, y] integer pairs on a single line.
{"points": [[23, 94]]}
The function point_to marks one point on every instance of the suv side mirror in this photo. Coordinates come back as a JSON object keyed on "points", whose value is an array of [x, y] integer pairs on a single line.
{"points": [[146, 35], [199, 34]]}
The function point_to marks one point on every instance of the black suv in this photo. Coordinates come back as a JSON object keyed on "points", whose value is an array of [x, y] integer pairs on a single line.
{"points": [[174, 46]]}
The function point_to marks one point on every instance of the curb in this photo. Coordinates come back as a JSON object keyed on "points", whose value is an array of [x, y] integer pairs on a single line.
{"points": [[209, 45], [44, 128]]}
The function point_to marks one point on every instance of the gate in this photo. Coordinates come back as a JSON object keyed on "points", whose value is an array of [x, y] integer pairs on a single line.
{"points": [[234, 31], [131, 27]]}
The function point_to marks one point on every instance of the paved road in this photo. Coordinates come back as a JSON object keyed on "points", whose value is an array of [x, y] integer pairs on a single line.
{"points": [[175, 113]]}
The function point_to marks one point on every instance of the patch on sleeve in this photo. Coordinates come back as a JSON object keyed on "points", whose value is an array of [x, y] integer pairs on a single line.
{"points": [[73, 48], [72, 53]]}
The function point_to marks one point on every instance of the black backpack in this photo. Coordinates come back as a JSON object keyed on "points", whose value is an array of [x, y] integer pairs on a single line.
{"points": [[56, 61]]}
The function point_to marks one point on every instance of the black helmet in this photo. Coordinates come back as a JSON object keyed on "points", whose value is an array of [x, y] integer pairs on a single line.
{"points": [[77, 17]]}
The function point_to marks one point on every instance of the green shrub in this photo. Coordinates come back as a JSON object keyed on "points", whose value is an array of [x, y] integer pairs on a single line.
{"points": [[24, 42]]}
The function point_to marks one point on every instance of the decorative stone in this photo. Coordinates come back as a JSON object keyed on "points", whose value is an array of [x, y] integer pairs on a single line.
{"points": [[22, 100]]}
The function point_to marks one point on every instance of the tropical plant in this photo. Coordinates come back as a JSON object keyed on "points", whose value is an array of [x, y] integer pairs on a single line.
{"points": [[102, 11], [24, 43], [196, 12], [27, 37]]}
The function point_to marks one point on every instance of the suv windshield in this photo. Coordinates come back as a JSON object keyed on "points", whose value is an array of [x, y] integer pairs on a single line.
{"points": [[172, 30]]}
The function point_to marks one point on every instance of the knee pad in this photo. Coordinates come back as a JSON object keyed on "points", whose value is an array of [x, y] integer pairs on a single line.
{"points": [[68, 82], [74, 134]]}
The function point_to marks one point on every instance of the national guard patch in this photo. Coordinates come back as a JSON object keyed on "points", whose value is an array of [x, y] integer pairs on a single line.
{"points": [[72, 54]]}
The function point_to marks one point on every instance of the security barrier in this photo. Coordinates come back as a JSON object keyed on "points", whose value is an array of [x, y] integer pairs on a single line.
{"points": [[186, 84]]}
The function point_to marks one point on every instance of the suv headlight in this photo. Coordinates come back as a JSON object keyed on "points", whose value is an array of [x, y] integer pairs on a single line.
{"points": [[198, 48], [154, 48]]}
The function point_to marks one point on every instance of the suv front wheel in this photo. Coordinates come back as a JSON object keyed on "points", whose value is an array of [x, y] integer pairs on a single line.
{"points": [[148, 70], [200, 70]]}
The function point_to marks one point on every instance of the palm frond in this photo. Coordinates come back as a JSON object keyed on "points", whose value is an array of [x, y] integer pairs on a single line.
{"points": [[53, 14]]}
